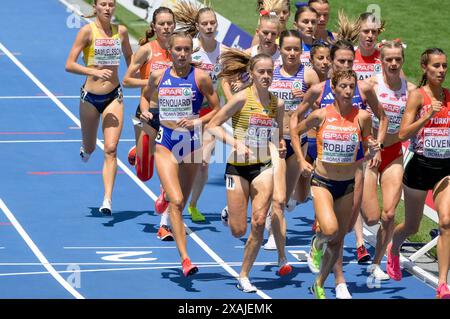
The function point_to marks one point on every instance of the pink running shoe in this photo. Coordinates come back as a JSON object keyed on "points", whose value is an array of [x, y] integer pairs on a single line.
{"points": [[161, 203], [188, 268], [442, 291], [393, 265]]}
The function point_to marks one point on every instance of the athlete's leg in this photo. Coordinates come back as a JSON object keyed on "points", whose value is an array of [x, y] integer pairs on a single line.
{"points": [[261, 190], [89, 119], [238, 192], [391, 188], [442, 202], [112, 123]]}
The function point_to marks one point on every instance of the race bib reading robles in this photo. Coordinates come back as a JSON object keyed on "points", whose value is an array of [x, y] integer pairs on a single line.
{"points": [[339, 147], [175, 103]]}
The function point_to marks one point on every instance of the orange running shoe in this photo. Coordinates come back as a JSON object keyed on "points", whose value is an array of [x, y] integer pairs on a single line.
{"points": [[132, 156], [188, 268], [284, 268], [164, 233]]}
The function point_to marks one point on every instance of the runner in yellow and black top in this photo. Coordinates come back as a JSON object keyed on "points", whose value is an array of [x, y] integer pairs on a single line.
{"points": [[256, 168], [103, 44], [340, 129]]}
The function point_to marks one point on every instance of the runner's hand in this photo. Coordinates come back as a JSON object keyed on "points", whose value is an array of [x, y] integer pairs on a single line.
{"points": [[436, 106], [146, 116], [298, 94], [104, 74], [306, 168], [375, 161], [374, 147], [282, 149]]}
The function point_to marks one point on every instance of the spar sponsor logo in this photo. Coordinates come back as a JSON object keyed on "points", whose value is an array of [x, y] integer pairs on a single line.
{"points": [[283, 85], [106, 42], [261, 121]]}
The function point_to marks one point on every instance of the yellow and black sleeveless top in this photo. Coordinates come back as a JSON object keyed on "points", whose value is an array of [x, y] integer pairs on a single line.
{"points": [[103, 51], [254, 125]]}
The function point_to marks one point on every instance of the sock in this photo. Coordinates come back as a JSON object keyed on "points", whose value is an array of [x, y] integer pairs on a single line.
{"points": [[165, 218]]}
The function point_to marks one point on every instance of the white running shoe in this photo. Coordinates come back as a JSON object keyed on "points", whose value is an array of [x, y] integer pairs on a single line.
{"points": [[377, 273], [84, 156], [291, 204], [342, 292], [245, 285], [270, 244], [224, 216], [106, 207]]}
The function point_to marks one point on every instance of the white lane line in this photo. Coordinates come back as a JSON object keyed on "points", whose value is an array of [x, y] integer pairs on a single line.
{"points": [[144, 187], [43, 97], [37, 252], [127, 247], [56, 141]]}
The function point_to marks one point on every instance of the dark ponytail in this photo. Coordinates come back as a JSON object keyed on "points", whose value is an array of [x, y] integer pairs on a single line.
{"points": [[425, 59], [150, 32]]}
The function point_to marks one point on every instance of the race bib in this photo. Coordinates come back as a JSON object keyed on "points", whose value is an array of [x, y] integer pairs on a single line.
{"points": [[259, 131], [339, 147], [107, 52], [366, 70], [282, 89], [175, 103], [436, 142], [305, 59], [394, 114]]}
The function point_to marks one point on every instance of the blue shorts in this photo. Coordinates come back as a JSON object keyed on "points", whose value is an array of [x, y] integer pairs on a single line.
{"points": [[312, 149], [336, 188], [101, 102], [290, 150], [180, 142]]}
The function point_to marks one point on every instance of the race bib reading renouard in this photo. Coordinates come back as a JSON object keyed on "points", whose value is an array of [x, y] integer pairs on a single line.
{"points": [[175, 103]]}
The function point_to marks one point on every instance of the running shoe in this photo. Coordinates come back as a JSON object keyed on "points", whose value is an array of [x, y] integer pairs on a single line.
{"points": [[164, 233], [132, 155], [84, 156], [188, 268], [377, 273], [224, 216], [284, 268], [196, 216], [270, 244], [318, 292], [342, 291], [106, 207], [245, 285], [362, 254], [161, 203], [393, 265], [442, 291], [314, 257]]}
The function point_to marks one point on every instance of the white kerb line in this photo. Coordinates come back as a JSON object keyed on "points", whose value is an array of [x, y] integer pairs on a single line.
{"points": [[37, 252], [144, 187]]}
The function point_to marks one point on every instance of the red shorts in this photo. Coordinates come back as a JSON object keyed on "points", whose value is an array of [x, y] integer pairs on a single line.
{"points": [[390, 154], [204, 111]]}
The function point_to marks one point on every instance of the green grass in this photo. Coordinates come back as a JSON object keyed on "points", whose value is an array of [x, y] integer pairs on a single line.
{"points": [[420, 24]]}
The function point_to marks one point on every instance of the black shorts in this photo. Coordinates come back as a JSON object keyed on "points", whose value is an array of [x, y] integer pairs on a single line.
{"points": [[424, 173], [154, 122], [336, 188], [101, 101], [249, 172]]}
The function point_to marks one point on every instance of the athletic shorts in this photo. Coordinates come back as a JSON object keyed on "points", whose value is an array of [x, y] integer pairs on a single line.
{"points": [[180, 142], [154, 122], [289, 149], [424, 173], [390, 154], [336, 188], [248, 172], [101, 101]]}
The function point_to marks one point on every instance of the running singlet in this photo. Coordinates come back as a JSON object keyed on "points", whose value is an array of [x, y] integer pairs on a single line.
{"points": [[282, 87], [276, 58], [103, 51], [339, 137], [160, 59], [306, 55], [393, 102], [254, 123], [433, 140], [366, 66], [328, 97], [209, 61], [178, 98]]}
